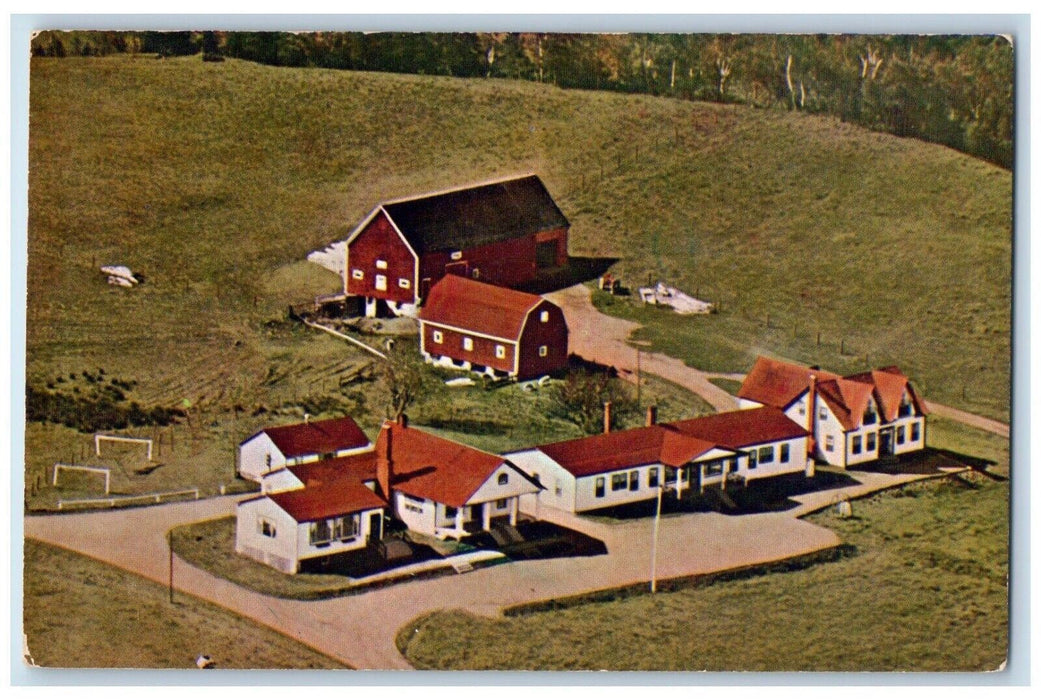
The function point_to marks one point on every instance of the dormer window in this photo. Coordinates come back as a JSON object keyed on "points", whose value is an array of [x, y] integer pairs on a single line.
{"points": [[905, 406], [870, 414]]}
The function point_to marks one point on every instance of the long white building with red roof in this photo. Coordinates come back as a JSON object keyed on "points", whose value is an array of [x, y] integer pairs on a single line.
{"points": [[272, 448]]}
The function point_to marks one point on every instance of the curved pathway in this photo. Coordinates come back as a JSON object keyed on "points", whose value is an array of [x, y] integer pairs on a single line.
{"points": [[603, 338]]}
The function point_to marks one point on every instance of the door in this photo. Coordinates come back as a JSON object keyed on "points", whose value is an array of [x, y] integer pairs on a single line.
{"points": [[461, 268], [753, 459], [381, 283], [375, 527], [885, 442]]}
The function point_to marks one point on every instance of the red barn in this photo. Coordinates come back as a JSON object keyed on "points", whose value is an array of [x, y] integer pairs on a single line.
{"points": [[491, 329], [502, 232]]}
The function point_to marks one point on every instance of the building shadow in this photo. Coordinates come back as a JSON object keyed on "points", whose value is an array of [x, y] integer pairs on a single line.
{"points": [[367, 561], [929, 461], [577, 270], [540, 540]]}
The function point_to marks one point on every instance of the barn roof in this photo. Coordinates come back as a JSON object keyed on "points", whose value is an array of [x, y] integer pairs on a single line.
{"points": [[327, 499], [315, 437], [432, 467], [737, 429], [477, 215], [483, 308], [776, 383], [622, 449]]}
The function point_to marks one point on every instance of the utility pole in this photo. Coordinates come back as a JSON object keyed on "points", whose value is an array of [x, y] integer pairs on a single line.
{"points": [[169, 546], [654, 541], [639, 380]]}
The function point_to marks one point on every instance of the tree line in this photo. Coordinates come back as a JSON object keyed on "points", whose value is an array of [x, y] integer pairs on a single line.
{"points": [[952, 90]]}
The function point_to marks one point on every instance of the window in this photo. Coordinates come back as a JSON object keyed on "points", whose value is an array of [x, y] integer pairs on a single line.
{"points": [[905, 407], [504, 479], [916, 432], [381, 283], [320, 533], [357, 274], [857, 444], [268, 459], [823, 413], [652, 477], [753, 459], [900, 435], [766, 455], [345, 528], [714, 468], [404, 282], [802, 408], [870, 416], [476, 274], [634, 480], [619, 482], [381, 264], [543, 351], [266, 528], [558, 487], [450, 512], [439, 337], [598, 487], [544, 317], [500, 351], [468, 343], [871, 438], [829, 443], [457, 255], [785, 454], [501, 504]]}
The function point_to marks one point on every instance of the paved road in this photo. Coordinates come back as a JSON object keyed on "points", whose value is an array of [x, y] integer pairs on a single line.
{"points": [[360, 630], [602, 338]]}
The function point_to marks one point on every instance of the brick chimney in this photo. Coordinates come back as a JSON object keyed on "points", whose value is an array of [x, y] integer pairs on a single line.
{"points": [[652, 416], [811, 422], [384, 465], [607, 416]]}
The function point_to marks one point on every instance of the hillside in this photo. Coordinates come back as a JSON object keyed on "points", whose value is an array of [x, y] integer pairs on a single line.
{"points": [[216, 179]]}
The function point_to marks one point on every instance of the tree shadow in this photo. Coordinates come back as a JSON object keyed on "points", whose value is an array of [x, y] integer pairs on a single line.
{"points": [[577, 270]]}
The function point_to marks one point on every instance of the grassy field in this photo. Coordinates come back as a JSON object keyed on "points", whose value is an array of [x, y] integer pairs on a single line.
{"points": [[125, 621], [216, 179], [926, 591]]}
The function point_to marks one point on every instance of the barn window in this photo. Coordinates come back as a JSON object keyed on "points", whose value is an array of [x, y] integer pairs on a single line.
{"points": [[916, 432], [504, 479], [381, 264], [357, 274], [598, 489], [829, 442], [457, 255], [500, 351], [871, 437], [619, 481], [544, 317], [543, 351], [766, 455], [439, 337], [468, 343], [785, 452], [857, 444], [266, 528], [404, 282], [476, 274]]}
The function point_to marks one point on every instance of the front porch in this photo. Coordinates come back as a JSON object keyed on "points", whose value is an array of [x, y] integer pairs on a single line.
{"points": [[460, 522]]}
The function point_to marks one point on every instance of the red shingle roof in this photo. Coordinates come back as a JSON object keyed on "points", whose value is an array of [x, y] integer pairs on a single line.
{"points": [[776, 383], [359, 467], [340, 496], [622, 449], [316, 437], [847, 398], [483, 308], [427, 466], [736, 429]]}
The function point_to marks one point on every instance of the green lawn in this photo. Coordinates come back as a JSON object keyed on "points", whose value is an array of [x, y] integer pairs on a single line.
{"points": [[926, 591], [81, 613]]}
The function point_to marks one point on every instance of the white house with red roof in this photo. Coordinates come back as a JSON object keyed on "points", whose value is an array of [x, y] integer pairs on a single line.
{"points": [[333, 508], [435, 486], [854, 419], [490, 329], [270, 449], [628, 466]]}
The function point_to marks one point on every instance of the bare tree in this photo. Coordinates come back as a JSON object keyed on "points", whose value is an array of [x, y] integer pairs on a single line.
{"points": [[404, 379]]}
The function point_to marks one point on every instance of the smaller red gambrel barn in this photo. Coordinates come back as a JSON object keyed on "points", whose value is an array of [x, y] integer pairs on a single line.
{"points": [[499, 331], [501, 232]]}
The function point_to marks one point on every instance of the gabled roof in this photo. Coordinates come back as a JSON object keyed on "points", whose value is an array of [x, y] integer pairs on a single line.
{"points": [[737, 429], [847, 398], [622, 449], [777, 383], [358, 467], [477, 215], [315, 437], [432, 467], [316, 501], [889, 385], [483, 308]]}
